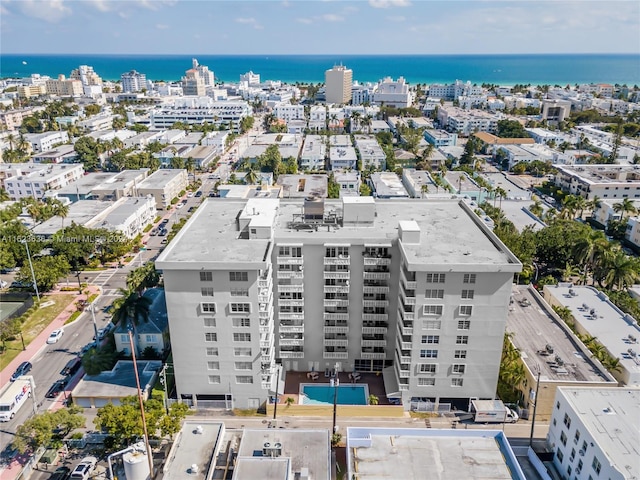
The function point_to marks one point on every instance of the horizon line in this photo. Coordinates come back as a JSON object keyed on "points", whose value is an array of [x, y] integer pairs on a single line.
{"points": [[320, 54]]}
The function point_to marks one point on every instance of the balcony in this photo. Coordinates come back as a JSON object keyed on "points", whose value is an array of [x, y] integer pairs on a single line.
{"points": [[376, 275], [290, 303], [266, 385], [373, 355], [336, 289], [291, 341], [290, 260], [343, 330], [290, 274], [291, 288], [341, 260], [288, 354], [407, 316], [266, 327], [375, 303], [375, 317], [335, 355], [403, 387], [343, 317], [406, 299], [336, 303], [374, 343], [374, 330], [291, 316], [334, 342], [374, 290], [407, 331], [291, 328], [377, 261], [405, 360], [264, 298], [404, 373], [409, 284], [266, 343], [337, 275]]}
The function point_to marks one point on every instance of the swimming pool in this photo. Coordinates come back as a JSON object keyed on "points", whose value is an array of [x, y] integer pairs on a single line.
{"points": [[312, 394]]}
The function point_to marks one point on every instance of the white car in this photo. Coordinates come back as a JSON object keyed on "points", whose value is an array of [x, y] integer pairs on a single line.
{"points": [[55, 336]]}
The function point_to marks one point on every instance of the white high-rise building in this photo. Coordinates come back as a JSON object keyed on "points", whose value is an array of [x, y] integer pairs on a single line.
{"points": [[338, 81], [207, 75], [133, 81], [86, 75], [392, 93], [252, 79], [416, 291]]}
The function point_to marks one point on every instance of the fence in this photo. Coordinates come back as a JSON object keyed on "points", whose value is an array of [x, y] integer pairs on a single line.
{"points": [[430, 407]]}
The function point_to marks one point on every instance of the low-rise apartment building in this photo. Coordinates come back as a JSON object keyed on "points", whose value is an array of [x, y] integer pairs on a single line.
{"points": [[387, 185], [349, 183], [33, 180], [596, 316], [343, 158], [198, 110], [466, 122], [440, 138], [418, 291], [42, 142], [594, 433], [60, 154], [393, 93], [603, 181], [371, 153], [164, 185], [415, 182], [313, 153]]}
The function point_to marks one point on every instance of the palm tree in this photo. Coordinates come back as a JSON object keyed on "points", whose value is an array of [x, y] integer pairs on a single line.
{"points": [[142, 278], [500, 192], [251, 177], [580, 204], [424, 189], [536, 208], [59, 209], [367, 121], [4, 195], [594, 204], [373, 399], [569, 271], [623, 271], [626, 206], [131, 310], [355, 120], [589, 248]]}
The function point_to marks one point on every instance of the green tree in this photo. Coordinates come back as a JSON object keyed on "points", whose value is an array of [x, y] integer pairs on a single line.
{"points": [[91, 110], [130, 310], [365, 190], [44, 428], [87, 150], [48, 271], [333, 187], [511, 129], [98, 360], [142, 278], [270, 160]]}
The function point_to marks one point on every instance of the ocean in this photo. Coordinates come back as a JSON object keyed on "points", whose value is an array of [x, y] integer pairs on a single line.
{"points": [[497, 69]]}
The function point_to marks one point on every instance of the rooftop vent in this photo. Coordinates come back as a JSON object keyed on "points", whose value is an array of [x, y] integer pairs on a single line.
{"points": [[199, 430], [269, 450], [194, 469]]}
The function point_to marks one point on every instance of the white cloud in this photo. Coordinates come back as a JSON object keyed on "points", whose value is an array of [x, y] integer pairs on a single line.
{"points": [[250, 21], [50, 11], [162, 26], [102, 5], [332, 17], [389, 3]]}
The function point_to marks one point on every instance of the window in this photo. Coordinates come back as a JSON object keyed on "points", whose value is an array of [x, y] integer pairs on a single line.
{"points": [[214, 379], [243, 365], [467, 294], [466, 310], [558, 405], [207, 291], [457, 382], [238, 276], [240, 308], [432, 324], [208, 307], [469, 278], [212, 351], [426, 382], [213, 365], [596, 465], [435, 278], [430, 338], [428, 367], [567, 420], [460, 354], [432, 309], [241, 337], [559, 455], [576, 439], [241, 322], [150, 338], [210, 337], [458, 368], [563, 438], [209, 322], [584, 446], [434, 293], [464, 324], [428, 353], [239, 292], [462, 340], [206, 276], [241, 352], [573, 454], [244, 379]]}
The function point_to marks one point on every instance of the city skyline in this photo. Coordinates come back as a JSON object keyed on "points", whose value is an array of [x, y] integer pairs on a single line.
{"points": [[318, 27]]}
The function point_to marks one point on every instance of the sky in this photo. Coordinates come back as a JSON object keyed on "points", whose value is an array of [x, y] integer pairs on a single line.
{"points": [[319, 27]]}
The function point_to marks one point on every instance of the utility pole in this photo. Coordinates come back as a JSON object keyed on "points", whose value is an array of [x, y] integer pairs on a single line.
{"points": [[336, 384], [535, 406], [141, 401], [33, 275], [92, 307], [275, 404]]}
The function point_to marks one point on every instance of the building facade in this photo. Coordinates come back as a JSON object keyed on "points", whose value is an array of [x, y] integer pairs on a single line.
{"points": [[133, 81], [379, 287], [338, 81], [164, 185]]}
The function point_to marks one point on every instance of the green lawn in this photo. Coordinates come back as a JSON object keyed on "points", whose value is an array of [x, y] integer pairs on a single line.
{"points": [[35, 324]]}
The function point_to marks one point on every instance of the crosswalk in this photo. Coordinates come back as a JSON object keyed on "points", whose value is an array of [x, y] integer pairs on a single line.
{"points": [[110, 293], [103, 277]]}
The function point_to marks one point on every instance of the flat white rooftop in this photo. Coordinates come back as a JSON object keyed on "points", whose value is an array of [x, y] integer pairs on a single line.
{"points": [[383, 453], [196, 444], [595, 314], [612, 416], [160, 178]]}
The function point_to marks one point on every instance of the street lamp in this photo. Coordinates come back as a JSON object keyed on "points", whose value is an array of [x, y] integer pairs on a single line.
{"points": [[141, 401], [535, 406], [92, 308], [335, 381], [33, 275], [275, 403]]}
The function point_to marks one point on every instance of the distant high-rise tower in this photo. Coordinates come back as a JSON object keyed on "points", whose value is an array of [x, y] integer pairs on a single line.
{"points": [[204, 72], [338, 81], [133, 81]]}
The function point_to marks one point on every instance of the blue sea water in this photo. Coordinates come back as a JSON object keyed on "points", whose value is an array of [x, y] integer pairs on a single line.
{"points": [[498, 69]]}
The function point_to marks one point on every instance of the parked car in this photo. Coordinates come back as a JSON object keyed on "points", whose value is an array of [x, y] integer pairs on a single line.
{"points": [[61, 473], [191, 209], [71, 367], [190, 194], [164, 241], [198, 193], [162, 233], [56, 388], [164, 221], [102, 332], [22, 369], [153, 233], [84, 468], [180, 205], [55, 336], [212, 194], [20, 285], [3, 284], [88, 347]]}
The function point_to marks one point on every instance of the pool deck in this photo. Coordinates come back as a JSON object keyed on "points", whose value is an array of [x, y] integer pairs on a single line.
{"points": [[295, 379]]}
